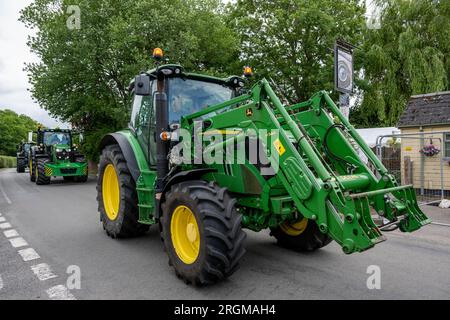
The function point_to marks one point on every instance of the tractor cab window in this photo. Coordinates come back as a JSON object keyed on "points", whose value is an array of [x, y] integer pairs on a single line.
{"points": [[144, 123], [187, 96], [52, 138]]}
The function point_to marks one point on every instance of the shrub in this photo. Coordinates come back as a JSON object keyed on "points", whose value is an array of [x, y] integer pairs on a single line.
{"points": [[7, 162]]}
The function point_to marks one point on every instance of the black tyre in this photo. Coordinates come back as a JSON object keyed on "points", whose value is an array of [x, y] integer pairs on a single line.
{"points": [[116, 196], [301, 236], [80, 179], [21, 164], [41, 178], [32, 168], [81, 159], [201, 231]]}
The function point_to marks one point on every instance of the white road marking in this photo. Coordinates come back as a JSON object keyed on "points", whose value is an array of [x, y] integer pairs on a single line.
{"points": [[2, 219], [18, 242], [29, 254], [60, 292], [5, 195], [1, 283], [43, 271], [11, 233], [5, 225]]}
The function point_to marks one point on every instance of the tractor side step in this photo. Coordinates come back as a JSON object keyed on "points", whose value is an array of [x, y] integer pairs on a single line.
{"points": [[146, 203]]}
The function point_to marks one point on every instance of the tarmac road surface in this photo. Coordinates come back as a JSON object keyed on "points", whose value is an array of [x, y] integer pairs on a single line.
{"points": [[49, 235]]}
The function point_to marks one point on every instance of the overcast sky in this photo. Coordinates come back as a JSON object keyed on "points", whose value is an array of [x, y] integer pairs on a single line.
{"points": [[13, 54]]}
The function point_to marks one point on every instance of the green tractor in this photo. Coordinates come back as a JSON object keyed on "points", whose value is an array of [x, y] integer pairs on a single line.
{"points": [[55, 155], [205, 157], [23, 150]]}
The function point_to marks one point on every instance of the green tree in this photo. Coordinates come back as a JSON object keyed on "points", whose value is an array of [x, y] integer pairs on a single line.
{"points": [[84, 74], [409, 54], [14, 129], [291, 41]]}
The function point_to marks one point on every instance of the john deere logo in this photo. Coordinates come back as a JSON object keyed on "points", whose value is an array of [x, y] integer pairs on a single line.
{"points": [[249, 112]]}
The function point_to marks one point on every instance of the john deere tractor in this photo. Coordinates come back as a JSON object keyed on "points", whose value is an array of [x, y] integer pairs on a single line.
{"points": [[205, 157], [56, 156], [23, 150]]}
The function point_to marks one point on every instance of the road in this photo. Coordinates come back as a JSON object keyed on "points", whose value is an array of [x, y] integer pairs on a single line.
{"points": [[60, 224]]}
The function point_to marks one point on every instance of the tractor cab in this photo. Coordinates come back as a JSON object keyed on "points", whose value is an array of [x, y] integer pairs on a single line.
{"points": [[57, 140], [179, 94]]}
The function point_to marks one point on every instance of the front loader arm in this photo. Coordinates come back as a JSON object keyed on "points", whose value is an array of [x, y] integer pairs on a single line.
{"points": [[319, 166]]}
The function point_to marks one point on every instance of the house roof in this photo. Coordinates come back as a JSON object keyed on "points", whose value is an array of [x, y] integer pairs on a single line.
{"points": [[426, 110]]}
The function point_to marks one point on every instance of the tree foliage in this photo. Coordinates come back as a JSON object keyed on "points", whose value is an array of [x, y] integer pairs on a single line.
{"points": [[84, 74], [408, 55], [291, 41], [14, 129]]}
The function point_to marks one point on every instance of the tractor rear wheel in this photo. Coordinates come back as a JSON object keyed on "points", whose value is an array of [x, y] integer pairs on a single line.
{"points": [[201, 231], [117, 197], [41, 178], [303, 235], [32, 169]]}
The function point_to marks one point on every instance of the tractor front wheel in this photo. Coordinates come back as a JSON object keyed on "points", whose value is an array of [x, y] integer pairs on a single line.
{"points": [[41, 178], [303, 235], [80, 178], [201, 231], [117, 197], [32, 168]]}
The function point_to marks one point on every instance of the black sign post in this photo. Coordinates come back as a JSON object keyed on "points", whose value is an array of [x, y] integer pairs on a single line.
{"points": [[344, 74]]}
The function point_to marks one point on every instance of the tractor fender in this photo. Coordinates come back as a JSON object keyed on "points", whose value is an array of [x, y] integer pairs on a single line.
{"points": [[177, 178], [124, 144]]}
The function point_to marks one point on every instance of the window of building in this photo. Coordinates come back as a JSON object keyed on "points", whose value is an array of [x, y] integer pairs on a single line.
{"points": [[447, 145]]}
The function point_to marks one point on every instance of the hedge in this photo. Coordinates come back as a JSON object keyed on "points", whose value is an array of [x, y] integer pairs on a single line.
{"points": [[7, 162]]}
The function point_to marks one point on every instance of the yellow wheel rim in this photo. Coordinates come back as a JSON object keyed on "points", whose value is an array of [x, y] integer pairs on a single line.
{"points": [[294, 229], [111, 192], [31, 168], [185, 234]]}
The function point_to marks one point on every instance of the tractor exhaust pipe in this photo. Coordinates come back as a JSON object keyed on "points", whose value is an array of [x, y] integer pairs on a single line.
{"points": [[162, 147]]}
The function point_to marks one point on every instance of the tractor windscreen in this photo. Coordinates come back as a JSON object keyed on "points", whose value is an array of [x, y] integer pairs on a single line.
{"points": [[187, 96], [52, 138]]}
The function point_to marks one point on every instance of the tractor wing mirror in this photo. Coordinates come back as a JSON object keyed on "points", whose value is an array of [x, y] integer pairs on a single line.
{"points": [[30, 136], [142, 85]]}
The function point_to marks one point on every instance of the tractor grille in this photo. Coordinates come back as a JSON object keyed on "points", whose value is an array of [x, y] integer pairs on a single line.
{"points": [[69, 171]]}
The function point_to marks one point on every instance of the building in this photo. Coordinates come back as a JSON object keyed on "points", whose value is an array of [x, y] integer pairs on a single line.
{"points": [[425, 125]]}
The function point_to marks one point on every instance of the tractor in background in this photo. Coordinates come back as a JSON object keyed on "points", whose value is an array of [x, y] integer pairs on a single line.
{"points": [[23, 150], [306, 182], [55, 155]]}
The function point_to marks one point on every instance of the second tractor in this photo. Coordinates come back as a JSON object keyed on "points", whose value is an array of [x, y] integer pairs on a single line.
{"points": [[55, 155]]}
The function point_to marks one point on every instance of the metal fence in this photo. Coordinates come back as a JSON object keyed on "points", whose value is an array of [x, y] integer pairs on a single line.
{"points": [[418, 159]]}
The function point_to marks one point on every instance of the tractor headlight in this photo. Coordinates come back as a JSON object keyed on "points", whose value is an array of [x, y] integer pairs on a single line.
{"points": [[58, 150]]}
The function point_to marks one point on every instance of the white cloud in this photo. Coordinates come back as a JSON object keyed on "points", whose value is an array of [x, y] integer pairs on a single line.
{"points": [[14, 53]]}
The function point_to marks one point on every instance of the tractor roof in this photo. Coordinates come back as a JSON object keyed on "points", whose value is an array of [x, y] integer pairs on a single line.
{"points": [[55, 130], [176, 70]]}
